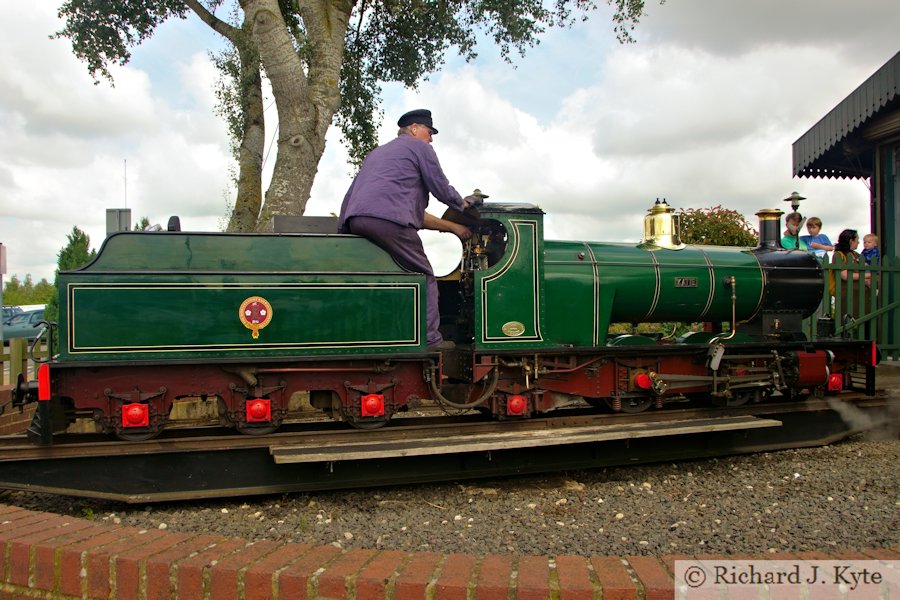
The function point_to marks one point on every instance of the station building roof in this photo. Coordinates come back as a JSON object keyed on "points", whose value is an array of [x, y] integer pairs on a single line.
{"points": [[841, 144]]}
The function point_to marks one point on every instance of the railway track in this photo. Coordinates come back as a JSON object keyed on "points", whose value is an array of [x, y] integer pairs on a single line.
{"points": [[205, 463]]}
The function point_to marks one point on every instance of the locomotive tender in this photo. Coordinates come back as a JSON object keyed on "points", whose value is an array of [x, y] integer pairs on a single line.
{"points": [[245, 321]]}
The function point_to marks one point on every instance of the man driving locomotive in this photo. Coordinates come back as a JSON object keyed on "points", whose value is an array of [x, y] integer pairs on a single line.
{"points": [[386, 204]]}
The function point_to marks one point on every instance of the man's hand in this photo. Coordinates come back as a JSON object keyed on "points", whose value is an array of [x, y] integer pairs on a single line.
{"points": [[436, 224], [461, 231]]}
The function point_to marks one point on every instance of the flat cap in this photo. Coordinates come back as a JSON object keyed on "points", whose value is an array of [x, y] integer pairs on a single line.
{"points": [[421, 116]]}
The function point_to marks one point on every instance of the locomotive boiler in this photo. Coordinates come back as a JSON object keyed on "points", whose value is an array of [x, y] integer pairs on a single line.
{"points": [[245, 322]]}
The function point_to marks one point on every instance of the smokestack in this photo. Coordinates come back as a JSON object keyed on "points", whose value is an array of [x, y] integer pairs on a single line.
{"points": [[769, 229]]}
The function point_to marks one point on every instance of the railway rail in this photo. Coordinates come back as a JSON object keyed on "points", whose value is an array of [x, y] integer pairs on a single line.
{"points": [[203, 463]]}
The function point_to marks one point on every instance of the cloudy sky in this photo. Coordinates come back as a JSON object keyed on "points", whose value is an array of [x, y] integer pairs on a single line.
{"points": [[702, 110]]}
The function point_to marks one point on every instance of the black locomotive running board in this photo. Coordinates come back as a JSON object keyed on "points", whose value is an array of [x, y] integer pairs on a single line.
{"points": [[484, 442]]}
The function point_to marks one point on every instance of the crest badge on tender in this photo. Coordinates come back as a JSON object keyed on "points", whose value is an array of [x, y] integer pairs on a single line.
{"points": [[255, 313]]}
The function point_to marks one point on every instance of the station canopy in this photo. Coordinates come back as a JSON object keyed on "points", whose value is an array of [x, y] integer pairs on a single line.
{"points": [[842, 143]]}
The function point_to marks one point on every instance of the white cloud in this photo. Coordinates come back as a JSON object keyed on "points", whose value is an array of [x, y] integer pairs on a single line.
{"points": [[70, 149], [866, 29], [617, 145], [702, 110]]}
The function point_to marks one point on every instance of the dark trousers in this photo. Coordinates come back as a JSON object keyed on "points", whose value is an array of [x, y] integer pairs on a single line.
{"points": [[405, 247]]}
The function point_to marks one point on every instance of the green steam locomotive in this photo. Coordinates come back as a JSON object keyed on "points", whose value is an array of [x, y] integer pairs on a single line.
{"points": [[245, 322]]}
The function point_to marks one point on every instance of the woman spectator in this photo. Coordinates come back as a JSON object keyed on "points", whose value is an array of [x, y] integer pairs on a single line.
{"points": [[845, 254]]}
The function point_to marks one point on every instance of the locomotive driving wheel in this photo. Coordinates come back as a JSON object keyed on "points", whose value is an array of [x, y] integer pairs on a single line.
{"points": [[600, 404], [795, 394], [630, 405], [738, 398]]}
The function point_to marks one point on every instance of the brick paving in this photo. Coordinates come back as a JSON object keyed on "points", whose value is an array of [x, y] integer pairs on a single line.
{"points": [[53, 556]]}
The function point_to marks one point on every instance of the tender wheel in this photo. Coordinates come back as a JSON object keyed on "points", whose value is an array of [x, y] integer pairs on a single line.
{"points": [[368, 423], [253, 429], [134, 435], [629, 405]]}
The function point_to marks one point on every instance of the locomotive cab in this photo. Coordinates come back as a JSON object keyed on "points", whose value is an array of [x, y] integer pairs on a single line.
{"points": [[496, 294]]}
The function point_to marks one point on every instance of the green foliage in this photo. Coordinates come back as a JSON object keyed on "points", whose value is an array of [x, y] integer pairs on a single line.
{"points": [[43, 292], [717, 226], [103, 32], [19, 293], [667, 330], [405, 40], [239, 82], [76, 253], [229, 102]]}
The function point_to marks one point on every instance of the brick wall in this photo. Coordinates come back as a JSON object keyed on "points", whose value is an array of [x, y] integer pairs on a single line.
{"points": [[51, 556], [13, 421]]}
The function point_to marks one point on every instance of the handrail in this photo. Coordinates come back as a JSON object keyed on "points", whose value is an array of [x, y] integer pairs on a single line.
{"points": [[861, 311]]}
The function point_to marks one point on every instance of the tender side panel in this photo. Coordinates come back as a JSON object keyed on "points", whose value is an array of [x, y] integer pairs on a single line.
{"points": [[188, 316]]}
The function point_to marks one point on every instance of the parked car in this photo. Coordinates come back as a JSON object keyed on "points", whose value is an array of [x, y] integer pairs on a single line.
{"points": [[23, 325], [10, 311]]}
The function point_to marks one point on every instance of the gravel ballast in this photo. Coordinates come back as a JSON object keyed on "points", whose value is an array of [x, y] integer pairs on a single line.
{"points": [[840, 497]]}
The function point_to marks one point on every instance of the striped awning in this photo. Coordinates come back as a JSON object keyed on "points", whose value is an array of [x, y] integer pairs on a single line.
{"points": [[841, 144]]}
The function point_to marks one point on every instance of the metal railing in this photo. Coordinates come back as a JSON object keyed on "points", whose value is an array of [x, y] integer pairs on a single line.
{"points": [[865, 303], [17, 359]]}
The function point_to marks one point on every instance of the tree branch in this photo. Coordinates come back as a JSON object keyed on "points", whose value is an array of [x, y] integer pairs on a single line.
{"points": [[217, 24]]}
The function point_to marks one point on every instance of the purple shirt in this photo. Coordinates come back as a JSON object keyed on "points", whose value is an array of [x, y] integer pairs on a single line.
{"points": [[394, 182]]}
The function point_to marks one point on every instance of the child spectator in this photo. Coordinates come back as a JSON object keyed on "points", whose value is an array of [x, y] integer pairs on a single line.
{"points": [[817, 242], [870, 249], [791, 239]]}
